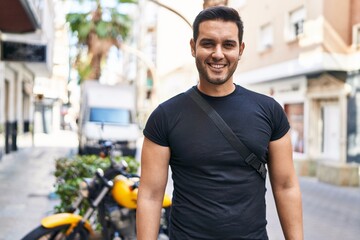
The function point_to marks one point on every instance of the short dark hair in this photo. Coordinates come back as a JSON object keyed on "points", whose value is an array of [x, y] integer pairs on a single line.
{"points": [[218, 13]]}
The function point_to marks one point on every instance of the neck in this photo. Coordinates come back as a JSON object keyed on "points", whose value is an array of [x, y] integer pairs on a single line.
{"points": [[216, 90]]}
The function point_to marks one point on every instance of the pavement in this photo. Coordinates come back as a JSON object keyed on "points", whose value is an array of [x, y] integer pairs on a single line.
{"points": [[329, 212], [26, 183]]}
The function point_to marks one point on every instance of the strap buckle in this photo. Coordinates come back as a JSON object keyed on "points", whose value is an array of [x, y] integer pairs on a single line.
{"points": [[259, 166]]}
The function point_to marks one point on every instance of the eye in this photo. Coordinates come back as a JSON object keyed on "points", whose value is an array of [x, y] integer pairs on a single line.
{"points": [[229, 45], [207, 44]]}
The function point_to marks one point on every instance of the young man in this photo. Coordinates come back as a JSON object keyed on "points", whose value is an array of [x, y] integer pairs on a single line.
{"points": [[216, 194]]}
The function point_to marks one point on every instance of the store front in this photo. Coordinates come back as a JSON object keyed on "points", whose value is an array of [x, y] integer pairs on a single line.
{"points": [[353, 128], [290, 93], [327, 97], [316, 107]]}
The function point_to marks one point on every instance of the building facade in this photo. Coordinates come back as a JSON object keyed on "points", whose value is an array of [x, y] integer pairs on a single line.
{"points": [[26, 37], [303, 53], [307, 57]]}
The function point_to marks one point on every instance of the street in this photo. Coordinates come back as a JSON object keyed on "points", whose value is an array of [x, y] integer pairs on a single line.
{"points": [[330, 212]]}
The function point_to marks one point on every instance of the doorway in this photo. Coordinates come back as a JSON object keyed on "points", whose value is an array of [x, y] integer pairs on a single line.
{"points": [[330, 118]]}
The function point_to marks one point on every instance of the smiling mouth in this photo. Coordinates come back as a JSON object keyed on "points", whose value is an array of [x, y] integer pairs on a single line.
{"points": [[217, 66]]}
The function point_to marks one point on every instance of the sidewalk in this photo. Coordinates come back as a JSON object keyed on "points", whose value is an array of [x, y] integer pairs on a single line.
{"points": [[26, 180]]}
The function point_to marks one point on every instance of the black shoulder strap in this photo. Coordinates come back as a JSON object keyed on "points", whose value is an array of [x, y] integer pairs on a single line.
{"points": [[250, 158]]}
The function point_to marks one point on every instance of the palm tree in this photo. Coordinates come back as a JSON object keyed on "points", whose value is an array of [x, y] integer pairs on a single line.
{"points": [[97, 31]]}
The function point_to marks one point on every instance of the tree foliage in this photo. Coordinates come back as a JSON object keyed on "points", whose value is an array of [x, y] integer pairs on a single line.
{"points": [[97, 31]]}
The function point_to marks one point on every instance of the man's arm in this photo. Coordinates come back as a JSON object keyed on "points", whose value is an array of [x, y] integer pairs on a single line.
{"points": [[285, 187], [154, 173]]}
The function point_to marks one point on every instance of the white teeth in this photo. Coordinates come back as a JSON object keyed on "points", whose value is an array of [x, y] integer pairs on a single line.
{"points": [[217, 65]]}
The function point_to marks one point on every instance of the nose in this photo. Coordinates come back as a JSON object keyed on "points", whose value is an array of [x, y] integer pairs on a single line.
{"points": [[217, 53]]}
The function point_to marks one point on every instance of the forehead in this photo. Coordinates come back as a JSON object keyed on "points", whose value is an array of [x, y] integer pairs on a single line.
{"points": [[215, 29]]}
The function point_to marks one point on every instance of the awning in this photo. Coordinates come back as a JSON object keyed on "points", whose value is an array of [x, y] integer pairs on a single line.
{"points": [[18, 16]]}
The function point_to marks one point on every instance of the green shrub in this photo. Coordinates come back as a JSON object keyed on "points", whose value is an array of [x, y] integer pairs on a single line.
{"points": [[70, 172]]}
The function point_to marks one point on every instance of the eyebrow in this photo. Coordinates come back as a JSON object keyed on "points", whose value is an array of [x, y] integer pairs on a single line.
{"points": [[231, 41], [212, 40]]}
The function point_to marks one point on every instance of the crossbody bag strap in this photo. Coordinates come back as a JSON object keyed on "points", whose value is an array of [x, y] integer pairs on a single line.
{"points": [[250, 158]]}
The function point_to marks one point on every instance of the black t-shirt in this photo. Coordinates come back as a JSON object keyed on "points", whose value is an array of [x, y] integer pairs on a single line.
{"points": [[216, 194]]}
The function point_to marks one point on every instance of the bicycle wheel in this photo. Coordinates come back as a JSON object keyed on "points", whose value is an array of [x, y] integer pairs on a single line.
{"points": [[56, 233]]}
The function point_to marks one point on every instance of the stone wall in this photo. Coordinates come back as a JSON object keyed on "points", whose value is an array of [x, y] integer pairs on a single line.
{"points": [[340, 174]]}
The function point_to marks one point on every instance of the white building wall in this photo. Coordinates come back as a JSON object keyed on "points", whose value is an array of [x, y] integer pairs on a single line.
{"points": [[2, 93], [10, 77], [174, 64], [174, 34], [18, 77]]}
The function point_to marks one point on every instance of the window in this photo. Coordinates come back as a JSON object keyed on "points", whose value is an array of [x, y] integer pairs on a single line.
{"points": [[295, 114], [110, 115], [266, 37], [296, 23]]}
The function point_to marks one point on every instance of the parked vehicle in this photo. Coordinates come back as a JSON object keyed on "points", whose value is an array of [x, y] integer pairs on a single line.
{"points": [[111, 197], [107, 113]]}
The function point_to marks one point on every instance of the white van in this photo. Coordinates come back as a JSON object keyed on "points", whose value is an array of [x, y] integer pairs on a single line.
{"points": [[107, 113]]}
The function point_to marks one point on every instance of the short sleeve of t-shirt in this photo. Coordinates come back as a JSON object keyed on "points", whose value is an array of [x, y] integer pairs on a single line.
{"points": [[281, 124], [155, 128]]}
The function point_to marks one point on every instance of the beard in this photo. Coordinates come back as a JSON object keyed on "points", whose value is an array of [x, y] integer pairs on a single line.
{"points": [[205, 73]]}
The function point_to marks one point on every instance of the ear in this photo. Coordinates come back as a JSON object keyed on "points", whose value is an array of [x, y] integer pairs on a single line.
{"points": [[192, 45], [241, 50]]}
